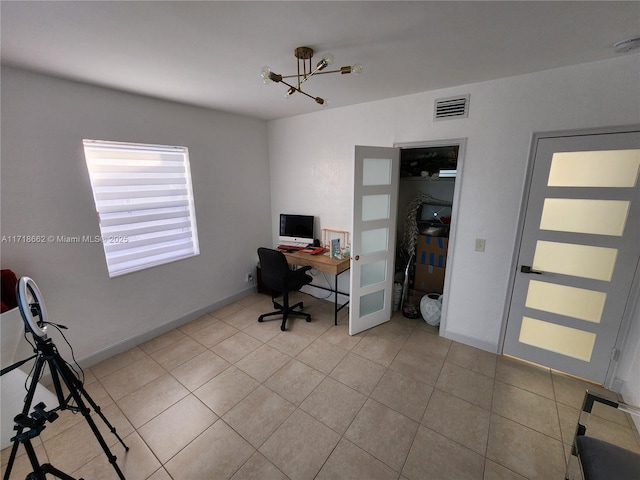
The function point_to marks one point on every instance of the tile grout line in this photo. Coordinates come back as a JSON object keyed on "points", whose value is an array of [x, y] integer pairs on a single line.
{"points": [[369, 396]]}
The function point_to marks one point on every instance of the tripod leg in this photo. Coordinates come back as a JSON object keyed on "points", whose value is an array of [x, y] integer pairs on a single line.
{"points": [[68, 374], [57, 387], [98, 410], [75, 389], [37, 371], [48, 468], [40, 471], [31, 453], [12, 456]]}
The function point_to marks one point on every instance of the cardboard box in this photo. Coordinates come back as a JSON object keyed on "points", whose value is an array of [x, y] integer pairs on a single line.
{"points": [[429, 279], [432, 251]]}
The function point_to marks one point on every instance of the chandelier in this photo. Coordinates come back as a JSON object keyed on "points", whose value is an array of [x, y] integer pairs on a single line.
{"points": [[305, 72]]}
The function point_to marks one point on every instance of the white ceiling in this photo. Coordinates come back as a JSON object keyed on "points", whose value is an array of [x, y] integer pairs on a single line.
{"points": [[211, 53]]}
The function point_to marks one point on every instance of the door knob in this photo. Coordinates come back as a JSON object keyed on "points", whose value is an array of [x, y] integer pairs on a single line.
{"points": [[528, 269]]}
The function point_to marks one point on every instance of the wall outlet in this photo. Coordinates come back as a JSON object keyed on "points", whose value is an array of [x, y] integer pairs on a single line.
{"points": [[249, 277]]}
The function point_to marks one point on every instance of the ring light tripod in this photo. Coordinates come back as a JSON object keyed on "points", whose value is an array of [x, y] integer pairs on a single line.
{"points": [[29, 426]]}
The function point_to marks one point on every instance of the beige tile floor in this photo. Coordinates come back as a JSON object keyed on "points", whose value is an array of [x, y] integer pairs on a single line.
{"points": [[226, 397]]}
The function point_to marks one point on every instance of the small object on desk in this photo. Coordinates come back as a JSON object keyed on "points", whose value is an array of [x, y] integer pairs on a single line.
{"points": [[335, 249], [290, 248], [313, 250]]}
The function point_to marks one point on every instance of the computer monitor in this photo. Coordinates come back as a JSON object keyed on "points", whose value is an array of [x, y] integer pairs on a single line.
{"points": [[295, 229]]}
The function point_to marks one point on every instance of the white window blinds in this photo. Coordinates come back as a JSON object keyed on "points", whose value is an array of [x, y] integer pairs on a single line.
{"points": [[144, 199]]}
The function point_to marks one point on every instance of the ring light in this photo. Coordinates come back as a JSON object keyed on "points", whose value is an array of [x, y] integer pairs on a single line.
{"points": [[31, 306]]}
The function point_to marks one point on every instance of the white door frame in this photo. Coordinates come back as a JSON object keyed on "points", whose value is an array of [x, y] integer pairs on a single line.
{"points": [[462, 143], [634, 296]]}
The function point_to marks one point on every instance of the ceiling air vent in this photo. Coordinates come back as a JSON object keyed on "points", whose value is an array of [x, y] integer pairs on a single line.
{"points": [[451, 107]]}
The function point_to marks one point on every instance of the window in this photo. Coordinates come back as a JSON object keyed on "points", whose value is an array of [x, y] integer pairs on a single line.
{"points": [[144, 200]]}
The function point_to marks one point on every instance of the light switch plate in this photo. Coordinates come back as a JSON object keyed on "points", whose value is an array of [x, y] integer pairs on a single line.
{"points": [[480, 243]]}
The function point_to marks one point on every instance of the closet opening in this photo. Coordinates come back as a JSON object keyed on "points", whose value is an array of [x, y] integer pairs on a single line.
{"points": [[429, 172]]}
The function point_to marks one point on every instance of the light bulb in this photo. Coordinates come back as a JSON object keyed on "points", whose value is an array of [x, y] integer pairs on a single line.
{"points": [[265, 73], [290, 92], [328, 58], [357, 68]]}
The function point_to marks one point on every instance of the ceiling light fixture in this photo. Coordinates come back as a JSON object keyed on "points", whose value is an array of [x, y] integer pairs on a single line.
{"points": [[305, 71]]}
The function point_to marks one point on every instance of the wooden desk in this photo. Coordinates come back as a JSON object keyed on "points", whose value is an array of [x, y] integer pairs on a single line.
{"points": [[324, 263]]}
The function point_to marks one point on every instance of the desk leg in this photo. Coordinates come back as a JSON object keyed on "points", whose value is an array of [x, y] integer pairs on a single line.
{"points": [[335, 306]]}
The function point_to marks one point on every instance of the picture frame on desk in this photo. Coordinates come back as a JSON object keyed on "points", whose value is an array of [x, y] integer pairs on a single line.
{"points": [[329, 235], [335, 249]]}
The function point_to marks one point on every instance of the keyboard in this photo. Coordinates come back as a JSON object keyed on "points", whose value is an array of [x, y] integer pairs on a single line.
{"points": [[313, 250], [291, 247]]}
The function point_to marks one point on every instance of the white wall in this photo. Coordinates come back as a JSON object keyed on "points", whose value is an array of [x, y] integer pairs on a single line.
{"points": [[46, 191], [628, 373], [312, 161]]}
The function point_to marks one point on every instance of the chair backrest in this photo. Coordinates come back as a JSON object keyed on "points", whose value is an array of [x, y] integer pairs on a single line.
{"points": [[275, 269]]}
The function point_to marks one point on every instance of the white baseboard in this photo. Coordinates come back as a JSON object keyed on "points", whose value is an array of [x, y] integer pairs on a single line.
{"points": [[473, 342], [617, 385], [631, 399], [129, 343]]}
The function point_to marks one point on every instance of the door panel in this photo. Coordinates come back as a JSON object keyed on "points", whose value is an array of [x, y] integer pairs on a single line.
{"points": [[599, 168], [375, 207], [576, 215], [373, 242], [579, 253], [586, 261], [560, 339], [564, 300]]}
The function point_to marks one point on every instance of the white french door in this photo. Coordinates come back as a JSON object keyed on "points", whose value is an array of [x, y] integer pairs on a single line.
{"points": [[579, 253], [375, 204]]}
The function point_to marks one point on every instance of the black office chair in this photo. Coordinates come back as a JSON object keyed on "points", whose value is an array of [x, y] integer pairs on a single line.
{"points": [[277, 275]]}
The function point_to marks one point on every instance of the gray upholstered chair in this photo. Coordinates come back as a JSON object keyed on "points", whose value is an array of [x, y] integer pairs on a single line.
{"points": [[597, 459]]}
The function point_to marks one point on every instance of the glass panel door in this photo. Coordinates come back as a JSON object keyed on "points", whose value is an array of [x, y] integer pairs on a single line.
{"points": [[373, 240]]}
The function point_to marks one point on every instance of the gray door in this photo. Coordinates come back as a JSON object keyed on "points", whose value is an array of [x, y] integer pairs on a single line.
{"points": [[579, 253]]}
